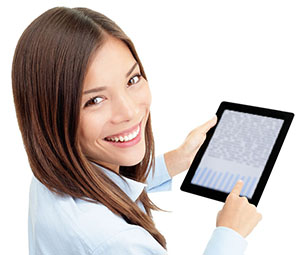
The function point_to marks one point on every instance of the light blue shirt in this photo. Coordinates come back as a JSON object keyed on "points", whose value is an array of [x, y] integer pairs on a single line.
{"points": [[66, 226]]}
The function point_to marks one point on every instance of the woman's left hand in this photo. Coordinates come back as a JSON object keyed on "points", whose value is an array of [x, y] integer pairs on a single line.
{"points": [[181, 158]]}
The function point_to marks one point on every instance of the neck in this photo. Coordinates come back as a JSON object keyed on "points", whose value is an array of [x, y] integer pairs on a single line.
{"points": [[110, 166]]}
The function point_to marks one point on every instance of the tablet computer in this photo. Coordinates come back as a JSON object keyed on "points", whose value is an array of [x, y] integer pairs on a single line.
{"points": [[244, 144]]}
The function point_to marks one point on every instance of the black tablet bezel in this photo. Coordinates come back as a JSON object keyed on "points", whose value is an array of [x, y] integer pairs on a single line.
{"points": [[187, 185]]}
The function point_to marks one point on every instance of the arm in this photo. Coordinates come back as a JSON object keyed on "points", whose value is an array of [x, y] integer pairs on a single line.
{"points": [[161, 180], [180, 159], [225, 241], [237, 218], [235, 221]]}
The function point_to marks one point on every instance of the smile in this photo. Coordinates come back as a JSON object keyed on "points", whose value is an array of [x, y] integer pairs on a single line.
{"points": [[125, 138]]}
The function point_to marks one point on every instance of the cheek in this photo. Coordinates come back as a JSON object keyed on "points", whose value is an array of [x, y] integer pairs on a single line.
{"points": [[144, 95], [90, 128], [149, 97]]}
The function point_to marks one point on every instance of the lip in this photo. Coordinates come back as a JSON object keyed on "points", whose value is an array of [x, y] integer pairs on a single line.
{"points": [[125, 132], [130, 143]]}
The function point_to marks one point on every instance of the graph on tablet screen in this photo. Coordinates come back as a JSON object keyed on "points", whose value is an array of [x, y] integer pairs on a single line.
{"points": [[239, 149]]}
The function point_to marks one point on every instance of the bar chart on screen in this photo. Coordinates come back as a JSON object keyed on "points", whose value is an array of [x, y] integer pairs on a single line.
{"points": [[224, 180]]}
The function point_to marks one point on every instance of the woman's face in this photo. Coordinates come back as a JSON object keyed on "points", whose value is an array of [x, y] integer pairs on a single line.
{"points": [[115, 107]]}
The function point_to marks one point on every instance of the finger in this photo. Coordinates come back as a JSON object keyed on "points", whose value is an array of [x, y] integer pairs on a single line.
{"points": [[208, 125], [237, 188]]}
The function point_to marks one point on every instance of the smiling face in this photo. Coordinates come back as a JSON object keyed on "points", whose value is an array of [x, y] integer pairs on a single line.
{"points": [[114, 108]]}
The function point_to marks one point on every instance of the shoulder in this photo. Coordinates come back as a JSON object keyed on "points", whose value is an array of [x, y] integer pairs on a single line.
{"points": [[132, 241], [69, 223], [65, 222]]}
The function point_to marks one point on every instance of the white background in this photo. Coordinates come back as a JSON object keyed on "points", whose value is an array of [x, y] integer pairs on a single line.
{"points": [[196, 54]]}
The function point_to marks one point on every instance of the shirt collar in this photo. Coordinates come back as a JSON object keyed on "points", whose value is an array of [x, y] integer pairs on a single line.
{"points": [[131, 188]]}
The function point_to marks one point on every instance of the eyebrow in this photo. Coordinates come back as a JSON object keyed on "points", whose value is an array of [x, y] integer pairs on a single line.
{"points": [[95, 90], [104, 88], [131, 69]]}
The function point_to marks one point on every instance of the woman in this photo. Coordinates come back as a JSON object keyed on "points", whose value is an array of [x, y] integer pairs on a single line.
{"points": [[83, 108]]}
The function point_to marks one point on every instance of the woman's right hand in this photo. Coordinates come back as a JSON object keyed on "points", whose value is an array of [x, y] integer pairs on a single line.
{"points": [[237, 213]]}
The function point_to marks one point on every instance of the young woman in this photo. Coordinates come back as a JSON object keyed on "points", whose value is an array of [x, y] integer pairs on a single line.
{"points": [[83, 108]]}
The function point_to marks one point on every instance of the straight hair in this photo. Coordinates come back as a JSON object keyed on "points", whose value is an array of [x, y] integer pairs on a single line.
{"points": [[49, 66]]}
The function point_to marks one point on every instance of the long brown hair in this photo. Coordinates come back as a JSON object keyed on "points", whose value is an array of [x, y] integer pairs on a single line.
{"points": [[49, 67]]}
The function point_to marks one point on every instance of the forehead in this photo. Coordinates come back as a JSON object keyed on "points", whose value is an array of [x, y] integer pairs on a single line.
{"points": [[109, 64]]}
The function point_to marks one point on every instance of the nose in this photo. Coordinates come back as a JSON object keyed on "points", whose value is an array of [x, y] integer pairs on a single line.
{"points": [[123, 109]]}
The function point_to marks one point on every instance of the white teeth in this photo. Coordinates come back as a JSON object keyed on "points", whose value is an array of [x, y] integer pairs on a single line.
{"points": [[126, 138]]}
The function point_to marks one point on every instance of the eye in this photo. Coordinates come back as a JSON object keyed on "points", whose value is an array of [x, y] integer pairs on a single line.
{"points": [[134, 79], [94, 101]]}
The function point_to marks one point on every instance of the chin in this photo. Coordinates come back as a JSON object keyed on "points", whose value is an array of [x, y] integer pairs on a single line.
{"points": [[133, 160]]}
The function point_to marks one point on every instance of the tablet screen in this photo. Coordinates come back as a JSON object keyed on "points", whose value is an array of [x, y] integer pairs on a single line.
{"points": [[243, 145], [239, 149]]}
